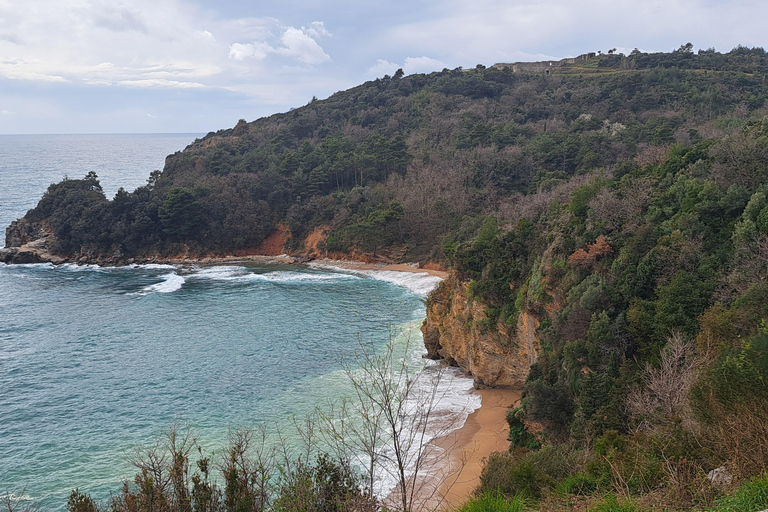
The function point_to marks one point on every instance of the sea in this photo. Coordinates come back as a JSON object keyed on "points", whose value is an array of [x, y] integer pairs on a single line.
{"points": [[97, 362]]}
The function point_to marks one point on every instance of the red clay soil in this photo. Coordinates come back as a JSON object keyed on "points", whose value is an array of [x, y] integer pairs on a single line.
{"points": [[272, 245], [319, 234]]}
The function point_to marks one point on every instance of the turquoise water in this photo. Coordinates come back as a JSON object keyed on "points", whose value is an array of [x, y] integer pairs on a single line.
{"points": [[95, 362]]}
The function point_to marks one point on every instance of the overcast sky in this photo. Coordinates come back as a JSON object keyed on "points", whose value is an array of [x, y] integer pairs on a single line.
{"points": [[115, 66]]}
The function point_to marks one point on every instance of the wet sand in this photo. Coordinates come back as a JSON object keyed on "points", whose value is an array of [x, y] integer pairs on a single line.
{"points": [[484, 432]]}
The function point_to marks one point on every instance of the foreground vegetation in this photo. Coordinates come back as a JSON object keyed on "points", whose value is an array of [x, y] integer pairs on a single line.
{"points": [[626, 209]]}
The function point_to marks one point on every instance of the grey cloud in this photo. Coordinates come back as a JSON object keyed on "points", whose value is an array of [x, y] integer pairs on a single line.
{"points": [[121, 20]]}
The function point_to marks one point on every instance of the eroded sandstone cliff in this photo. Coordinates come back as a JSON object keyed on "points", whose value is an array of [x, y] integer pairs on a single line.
{"points": [[457, 330]]}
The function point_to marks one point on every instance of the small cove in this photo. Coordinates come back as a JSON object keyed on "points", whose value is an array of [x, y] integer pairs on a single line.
{"points": [[95, 362]]}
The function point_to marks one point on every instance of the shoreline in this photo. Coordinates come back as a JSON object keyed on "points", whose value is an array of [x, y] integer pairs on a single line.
{"points": [[30, 253], [485, 431], [453, 472], [455, 460], [392, 267]]}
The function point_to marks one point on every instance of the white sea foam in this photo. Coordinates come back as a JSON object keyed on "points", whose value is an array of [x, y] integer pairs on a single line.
{"points": [[221, 273], [446, 393], [13, 498], [152, 266], [418, 283], [243, 274], [74, 267], [33, 265], [286, 276], [170, 283], [449, 391]]}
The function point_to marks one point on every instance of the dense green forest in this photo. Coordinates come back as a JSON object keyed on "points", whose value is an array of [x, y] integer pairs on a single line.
{"points": [[394, 165], [622, 200]]}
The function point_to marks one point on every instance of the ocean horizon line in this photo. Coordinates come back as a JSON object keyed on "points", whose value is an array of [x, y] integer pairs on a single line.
{"points": [[98, 133]]}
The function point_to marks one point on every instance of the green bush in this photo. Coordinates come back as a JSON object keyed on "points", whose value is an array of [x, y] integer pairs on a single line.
{"points": [[633, 462], [511, 474], [518, 435], [552, 405], [556, 461], [81, 502], [493, 502], [580, 484], [610, 503], [327, 486]]}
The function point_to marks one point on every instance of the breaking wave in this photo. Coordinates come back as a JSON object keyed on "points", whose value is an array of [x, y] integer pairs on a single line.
{"points": [[244, 274], [170, 283], [418, 283]]}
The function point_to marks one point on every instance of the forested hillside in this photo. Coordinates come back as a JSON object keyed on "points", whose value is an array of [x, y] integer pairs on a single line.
{"points": [[392, 166], [622, 201]]}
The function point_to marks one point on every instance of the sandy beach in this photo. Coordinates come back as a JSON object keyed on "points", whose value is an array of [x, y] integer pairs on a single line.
{"points": [[393, 267], [460, 463], [484, 432]]}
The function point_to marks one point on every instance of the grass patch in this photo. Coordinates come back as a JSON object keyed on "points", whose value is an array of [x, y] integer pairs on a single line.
{"points": [[494, 502], [751, 496], [610, 503]]}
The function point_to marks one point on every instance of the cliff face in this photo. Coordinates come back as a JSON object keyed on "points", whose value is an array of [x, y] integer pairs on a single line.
{"points": [[456, 330]]}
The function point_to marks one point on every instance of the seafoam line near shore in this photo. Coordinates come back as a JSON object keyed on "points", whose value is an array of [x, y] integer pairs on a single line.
{"points": [[420, 283]]}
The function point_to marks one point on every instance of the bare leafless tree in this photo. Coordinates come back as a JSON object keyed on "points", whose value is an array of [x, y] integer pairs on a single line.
{"points": [[665, 396], [387, 424]]}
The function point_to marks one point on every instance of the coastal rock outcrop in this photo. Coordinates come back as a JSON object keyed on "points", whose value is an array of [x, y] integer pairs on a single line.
{"points": [[27, 242], [457, 330], [21, 232]]}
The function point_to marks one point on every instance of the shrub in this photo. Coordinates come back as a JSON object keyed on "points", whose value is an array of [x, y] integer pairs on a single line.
{"points": [[580, 484], [556, 461], [81, 502], [327, 486], [730, 401], [552, 405], [518, 435], [612, 504], [493, 502], [511, 474]]}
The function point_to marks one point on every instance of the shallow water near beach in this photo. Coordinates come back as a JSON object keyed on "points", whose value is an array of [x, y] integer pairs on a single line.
{"points": [[95, 362]]}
